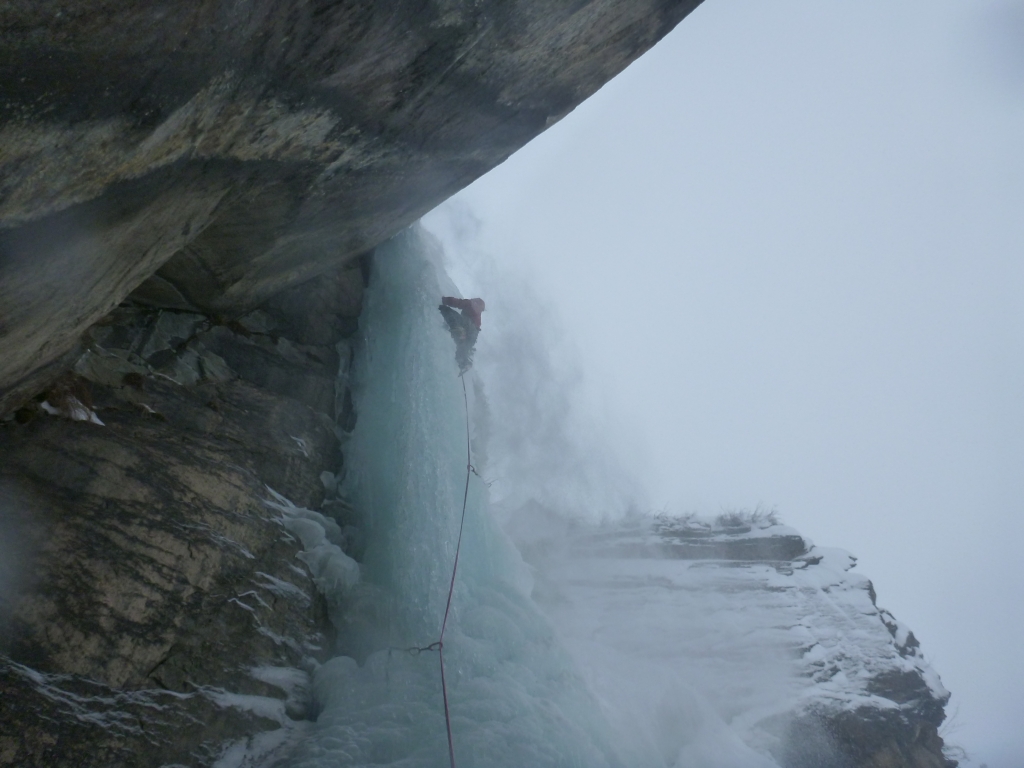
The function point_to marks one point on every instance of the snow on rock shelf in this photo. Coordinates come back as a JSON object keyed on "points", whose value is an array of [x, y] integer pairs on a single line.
{"points": [[738, 631]]}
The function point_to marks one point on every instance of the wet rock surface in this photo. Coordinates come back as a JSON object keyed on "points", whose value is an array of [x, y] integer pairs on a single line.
{"points": [[207, 156], [157, 610]]}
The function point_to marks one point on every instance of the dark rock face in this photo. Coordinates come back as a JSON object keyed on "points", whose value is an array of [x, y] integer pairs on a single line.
{"points": [[157, 609], [208, 155], [687, 541], [863, 738]]}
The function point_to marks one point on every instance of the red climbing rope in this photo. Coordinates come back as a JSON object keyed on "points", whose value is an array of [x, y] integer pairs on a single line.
{"points": [[439, 645], [451, 586]]}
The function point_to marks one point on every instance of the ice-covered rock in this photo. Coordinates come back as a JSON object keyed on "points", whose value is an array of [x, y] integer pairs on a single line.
{"points": [[736, 624]]}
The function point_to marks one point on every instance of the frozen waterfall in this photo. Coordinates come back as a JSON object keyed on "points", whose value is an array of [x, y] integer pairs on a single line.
{"points": [[643, 642], [516, 697]]}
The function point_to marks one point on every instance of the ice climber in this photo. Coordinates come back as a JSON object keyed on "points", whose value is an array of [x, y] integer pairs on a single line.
{"points": [[463, 325]]}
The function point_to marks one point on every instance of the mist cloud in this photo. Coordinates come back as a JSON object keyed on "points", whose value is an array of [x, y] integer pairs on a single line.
{"points": [[544, 443]]}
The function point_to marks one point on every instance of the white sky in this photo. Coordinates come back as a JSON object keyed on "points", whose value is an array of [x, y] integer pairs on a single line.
{"points": [[788, 245]]}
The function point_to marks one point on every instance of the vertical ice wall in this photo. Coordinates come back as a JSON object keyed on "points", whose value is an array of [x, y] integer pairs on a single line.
{"points": [[516, 699], [654, 656]]}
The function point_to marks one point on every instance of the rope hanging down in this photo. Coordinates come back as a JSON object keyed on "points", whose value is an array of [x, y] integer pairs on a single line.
{"points": [[451, 586], [439, 645]]}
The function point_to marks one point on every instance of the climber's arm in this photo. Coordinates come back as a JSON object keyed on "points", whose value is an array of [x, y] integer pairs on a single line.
{"points": [[451, 301]]}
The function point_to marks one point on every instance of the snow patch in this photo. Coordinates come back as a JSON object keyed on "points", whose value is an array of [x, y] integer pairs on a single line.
{"points": [[72, 409]]}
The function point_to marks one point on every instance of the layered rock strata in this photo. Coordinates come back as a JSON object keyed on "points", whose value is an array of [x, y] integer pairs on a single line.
{"points": [[156, 609]]}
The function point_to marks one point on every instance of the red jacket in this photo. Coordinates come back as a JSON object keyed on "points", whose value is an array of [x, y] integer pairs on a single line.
{"points": [[470, 308]]}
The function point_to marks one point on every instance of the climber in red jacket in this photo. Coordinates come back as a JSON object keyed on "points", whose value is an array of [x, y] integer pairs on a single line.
{"points": [[471, 308], [463, 325]]}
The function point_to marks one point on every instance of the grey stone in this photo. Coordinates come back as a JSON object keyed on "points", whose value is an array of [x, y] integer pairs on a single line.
{"points": [[148, 583], [208, 159]]}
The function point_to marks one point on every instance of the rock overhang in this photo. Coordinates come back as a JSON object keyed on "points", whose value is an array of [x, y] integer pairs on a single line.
{"points": [[207, 158]]}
